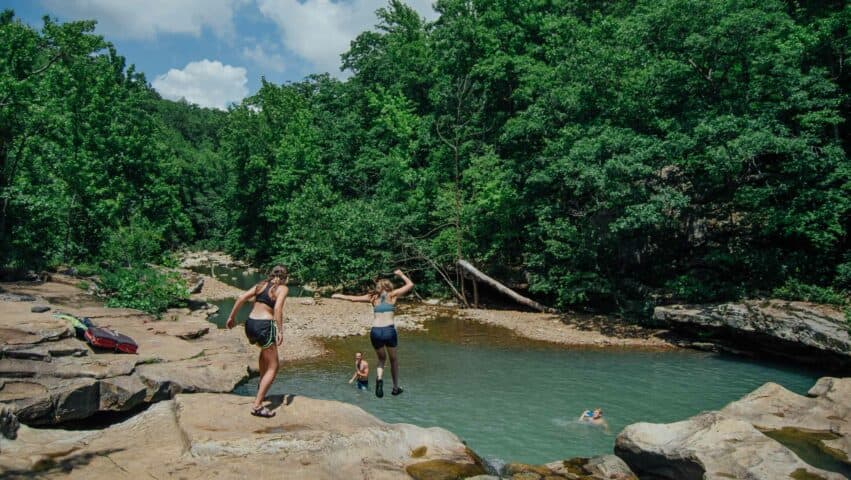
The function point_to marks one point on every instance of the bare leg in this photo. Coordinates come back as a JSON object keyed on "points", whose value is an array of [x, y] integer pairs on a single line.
{"points": [[269, 358], [394, 366], [382, 357]]}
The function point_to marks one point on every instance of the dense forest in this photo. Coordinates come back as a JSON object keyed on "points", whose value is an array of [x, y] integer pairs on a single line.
{"points": [[606, 155]]}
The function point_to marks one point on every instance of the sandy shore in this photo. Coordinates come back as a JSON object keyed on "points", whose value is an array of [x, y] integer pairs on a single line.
{"points": [[572, 330]]}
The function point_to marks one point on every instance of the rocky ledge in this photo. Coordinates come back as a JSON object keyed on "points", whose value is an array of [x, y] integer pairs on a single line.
{"points": [[206, 435], [737, 442], [797, 330], [48, 377]]}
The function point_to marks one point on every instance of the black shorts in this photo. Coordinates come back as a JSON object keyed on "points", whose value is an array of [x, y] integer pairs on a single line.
{"points": [[383, 337], [261, 332]]}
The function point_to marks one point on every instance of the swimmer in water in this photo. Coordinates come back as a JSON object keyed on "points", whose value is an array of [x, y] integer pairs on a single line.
{"points": [[595, 417]]}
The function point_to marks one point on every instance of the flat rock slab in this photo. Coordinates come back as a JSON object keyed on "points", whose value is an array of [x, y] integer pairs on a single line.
{"points": [[818, 327], [710, 446], [193, 435], [18, 325], [46, 351]]}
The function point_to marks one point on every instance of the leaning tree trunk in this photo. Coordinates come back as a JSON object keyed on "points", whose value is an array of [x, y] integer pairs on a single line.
{"points": [[503, 289]]}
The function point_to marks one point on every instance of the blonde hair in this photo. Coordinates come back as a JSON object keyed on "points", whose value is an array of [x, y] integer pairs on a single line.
{"points": [[277, 276], [381, 285]]}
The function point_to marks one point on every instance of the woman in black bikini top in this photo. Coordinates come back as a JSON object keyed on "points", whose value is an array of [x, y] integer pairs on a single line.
{"points": [[263, 328]]}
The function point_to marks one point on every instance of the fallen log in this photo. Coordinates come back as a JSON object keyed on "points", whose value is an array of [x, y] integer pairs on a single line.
{"points": [[503, 289]]}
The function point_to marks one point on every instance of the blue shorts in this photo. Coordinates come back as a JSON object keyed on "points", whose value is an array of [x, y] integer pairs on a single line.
{"points": [[383, 337], [363, 384]]}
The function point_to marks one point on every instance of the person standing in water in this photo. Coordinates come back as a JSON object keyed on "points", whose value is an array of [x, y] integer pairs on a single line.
{"points": [[361, 372], [263, 328], [383, 334]]}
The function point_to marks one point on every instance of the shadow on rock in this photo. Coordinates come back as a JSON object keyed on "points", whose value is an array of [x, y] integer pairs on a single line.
{"points": [[51, 465]]}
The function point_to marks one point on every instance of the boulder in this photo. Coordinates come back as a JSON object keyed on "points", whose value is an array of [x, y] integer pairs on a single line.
{"points": [[121, 393], [710, 446], [40, 309], [191, 436], [799, 330], [824, 416]]}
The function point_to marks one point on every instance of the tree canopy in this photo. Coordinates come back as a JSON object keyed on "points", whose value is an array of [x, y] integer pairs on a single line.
{"points": [[606, 155]]}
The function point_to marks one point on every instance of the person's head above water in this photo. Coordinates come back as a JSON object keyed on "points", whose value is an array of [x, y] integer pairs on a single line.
{"points": [[358, 356]]}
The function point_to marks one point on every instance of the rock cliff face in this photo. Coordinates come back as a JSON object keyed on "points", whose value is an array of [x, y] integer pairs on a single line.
{"points": [[799, 330], [207, 435], [732, 443]]}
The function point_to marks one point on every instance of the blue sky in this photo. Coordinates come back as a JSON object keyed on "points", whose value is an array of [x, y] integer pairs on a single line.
{"points": [[213, 52]]}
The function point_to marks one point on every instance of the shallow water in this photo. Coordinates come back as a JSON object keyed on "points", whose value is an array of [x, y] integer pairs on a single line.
{"points": [[517, 400], [805, 445]]}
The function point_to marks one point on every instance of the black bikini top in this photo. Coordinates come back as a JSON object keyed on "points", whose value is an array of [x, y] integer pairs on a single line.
{"points": [[264, 297]]}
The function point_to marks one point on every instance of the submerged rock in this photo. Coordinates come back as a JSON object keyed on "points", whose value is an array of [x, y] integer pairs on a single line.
{"points": [[710, 446], [799, 330], [193, 435], [605, 467]]}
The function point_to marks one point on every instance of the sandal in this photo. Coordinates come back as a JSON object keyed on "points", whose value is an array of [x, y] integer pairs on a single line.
{"points": [[379, 388], [262, 412], [396, 391]]}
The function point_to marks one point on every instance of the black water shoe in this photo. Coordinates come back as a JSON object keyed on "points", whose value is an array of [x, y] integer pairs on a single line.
{"points": [[379, 388], [396, 391]]}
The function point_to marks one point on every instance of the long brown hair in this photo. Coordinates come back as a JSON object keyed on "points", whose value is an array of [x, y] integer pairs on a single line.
{"points": [[278, 275]]}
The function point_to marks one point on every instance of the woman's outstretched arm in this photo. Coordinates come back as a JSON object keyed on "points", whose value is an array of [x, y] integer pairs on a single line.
{"points": [[353, 298], [407, 287], [246, 296]]}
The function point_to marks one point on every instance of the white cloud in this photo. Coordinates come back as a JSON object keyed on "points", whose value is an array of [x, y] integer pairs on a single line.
{"points": [[206, 83], [320, 30], [144, 19], [269, 61]]}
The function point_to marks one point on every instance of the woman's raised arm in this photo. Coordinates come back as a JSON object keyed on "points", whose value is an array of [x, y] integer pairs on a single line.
{"points": [[407, 287]]}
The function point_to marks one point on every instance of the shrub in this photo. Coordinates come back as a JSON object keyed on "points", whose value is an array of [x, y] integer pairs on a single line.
{"points": [[143, 288], [796, 290], [133, 245]]}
